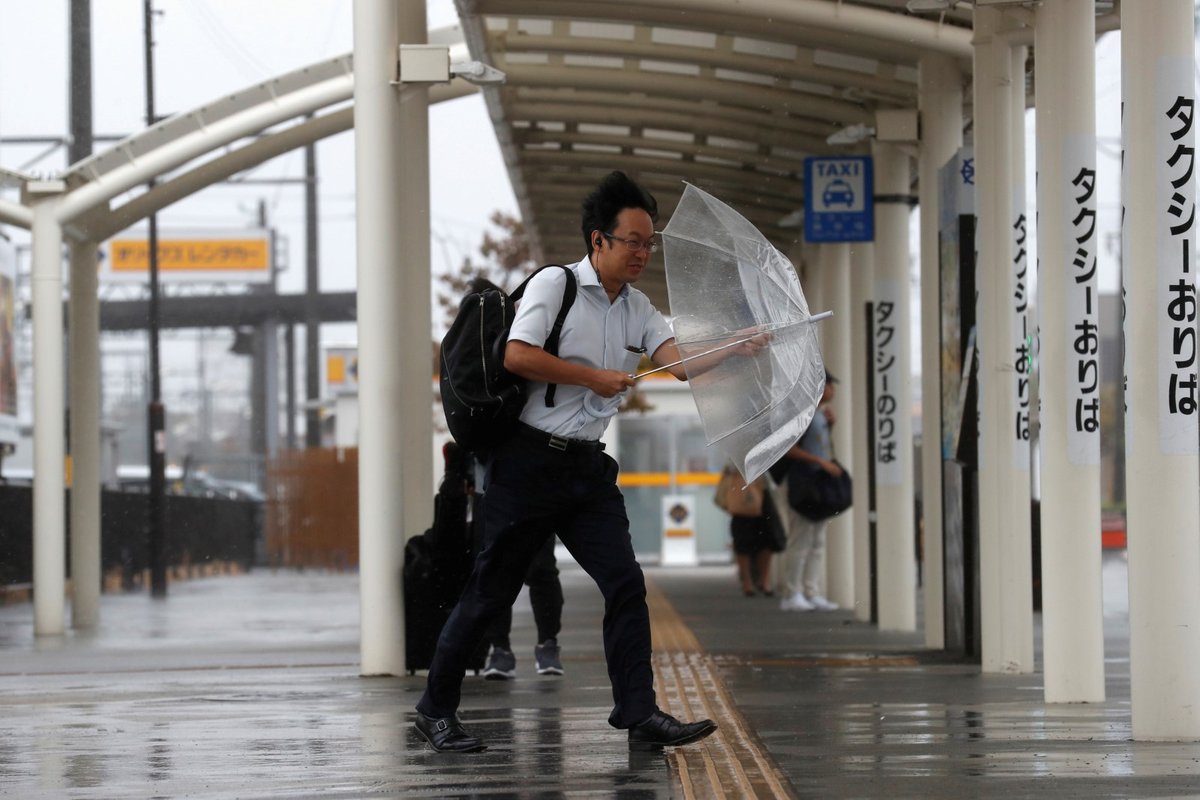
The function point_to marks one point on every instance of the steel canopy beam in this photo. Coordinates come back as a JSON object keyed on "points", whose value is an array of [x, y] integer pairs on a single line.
{"points": [[817, 20], [15, 214], [801, 68]]}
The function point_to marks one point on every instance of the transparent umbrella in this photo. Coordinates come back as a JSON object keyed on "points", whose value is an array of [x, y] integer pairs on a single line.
{"points": [[727, 283]]}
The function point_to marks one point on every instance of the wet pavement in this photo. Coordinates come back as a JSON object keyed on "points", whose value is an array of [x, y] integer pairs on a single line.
{"points": [[247, 686]]}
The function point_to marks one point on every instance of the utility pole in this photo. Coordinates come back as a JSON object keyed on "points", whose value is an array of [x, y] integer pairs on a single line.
{"points": [[264, 380], [80, 146], [157, 505], [312, 288], [290, 379]]}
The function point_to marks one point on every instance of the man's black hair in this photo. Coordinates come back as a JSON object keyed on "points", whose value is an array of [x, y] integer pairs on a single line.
{"points": [[615, 193]]}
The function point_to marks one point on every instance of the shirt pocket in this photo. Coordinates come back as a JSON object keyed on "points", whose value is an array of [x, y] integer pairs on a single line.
{"points": [[630, 361]]}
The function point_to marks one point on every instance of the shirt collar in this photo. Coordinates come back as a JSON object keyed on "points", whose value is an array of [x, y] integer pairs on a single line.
{"points": [[589, 277]]}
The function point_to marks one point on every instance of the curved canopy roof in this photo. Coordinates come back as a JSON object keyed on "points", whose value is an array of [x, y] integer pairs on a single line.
{"points": [[728, 95]]}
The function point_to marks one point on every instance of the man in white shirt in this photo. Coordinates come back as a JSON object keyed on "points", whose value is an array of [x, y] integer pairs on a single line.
{"points": [[553, 476]]}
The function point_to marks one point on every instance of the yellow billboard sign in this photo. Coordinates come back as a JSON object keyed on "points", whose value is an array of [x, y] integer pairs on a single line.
{"points": [[241, 255], [341, 370]]}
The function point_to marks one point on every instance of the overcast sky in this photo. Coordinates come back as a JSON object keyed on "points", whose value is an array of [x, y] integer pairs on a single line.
{"points": [[210, 48], [207, 49]]}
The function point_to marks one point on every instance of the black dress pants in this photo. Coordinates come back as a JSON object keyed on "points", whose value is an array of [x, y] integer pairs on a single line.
{"points": [[534, 491]]}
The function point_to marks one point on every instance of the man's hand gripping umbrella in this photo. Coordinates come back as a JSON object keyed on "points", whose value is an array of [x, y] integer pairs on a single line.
{"points": [[733, 293], [754, 340]]}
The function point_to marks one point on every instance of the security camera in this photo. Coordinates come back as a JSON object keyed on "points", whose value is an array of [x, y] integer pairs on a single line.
{"points": [[478, 73], [430, 63]]}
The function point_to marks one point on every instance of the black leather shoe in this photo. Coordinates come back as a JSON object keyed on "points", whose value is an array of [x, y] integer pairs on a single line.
{"points": [[663, 730], [447, 735]]}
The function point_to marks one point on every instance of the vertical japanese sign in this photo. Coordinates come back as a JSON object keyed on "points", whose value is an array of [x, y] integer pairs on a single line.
{"points": [[1176, 212], [1082, 298], [1022, 336], [889, 450], [8, 356], [956, 265]]}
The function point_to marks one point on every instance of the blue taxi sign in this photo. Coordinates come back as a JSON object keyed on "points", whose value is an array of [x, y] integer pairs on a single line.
{"points": [[839, 199]]}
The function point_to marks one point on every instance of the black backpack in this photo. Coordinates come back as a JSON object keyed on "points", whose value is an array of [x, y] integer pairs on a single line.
{"points": [[481, 399]]}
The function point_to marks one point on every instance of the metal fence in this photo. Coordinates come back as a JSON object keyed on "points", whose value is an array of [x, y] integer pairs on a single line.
{"points": [[200, 530]]}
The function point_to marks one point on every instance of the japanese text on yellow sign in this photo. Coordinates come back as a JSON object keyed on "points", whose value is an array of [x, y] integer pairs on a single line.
{"points": [[192, 255]]}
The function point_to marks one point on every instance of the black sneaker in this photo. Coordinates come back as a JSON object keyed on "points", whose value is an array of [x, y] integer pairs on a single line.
{"points": [[548, 662], [501, 665]]}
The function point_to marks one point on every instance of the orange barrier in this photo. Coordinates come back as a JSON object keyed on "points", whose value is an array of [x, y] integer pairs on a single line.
{"points": [[664, 479]]}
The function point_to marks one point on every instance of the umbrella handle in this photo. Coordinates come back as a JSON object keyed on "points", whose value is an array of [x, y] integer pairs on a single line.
{"points": [[813, 318]]}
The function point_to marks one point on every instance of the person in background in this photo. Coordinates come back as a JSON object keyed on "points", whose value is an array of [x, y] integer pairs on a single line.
{"points": [[802, 567], [749, 527], [546, 599]]}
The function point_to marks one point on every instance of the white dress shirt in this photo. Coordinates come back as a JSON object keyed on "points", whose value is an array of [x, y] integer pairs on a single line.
{"points": [[595, 333]]}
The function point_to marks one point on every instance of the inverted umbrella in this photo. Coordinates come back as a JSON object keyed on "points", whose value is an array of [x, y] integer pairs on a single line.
{"points": [[726, 283]]}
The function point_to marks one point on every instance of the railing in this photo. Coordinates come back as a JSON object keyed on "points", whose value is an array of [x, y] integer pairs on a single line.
{"points": [[202, 533]]}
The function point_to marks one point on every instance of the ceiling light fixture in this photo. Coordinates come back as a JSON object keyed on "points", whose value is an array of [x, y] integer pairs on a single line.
{"points": [[792, 220], [925, 6], [851, 134]]}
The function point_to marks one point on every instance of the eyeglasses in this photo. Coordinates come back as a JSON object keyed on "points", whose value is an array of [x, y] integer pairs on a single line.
{"points": [[633, 244]]}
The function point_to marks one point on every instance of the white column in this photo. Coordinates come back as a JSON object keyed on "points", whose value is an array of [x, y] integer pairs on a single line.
{"points": [[839, 535], [1069, 359], [1005, 581], [1161, 463], [84, 366], [892, 366], [862, 281], [49, 520], [940, 96], [395, 424]]}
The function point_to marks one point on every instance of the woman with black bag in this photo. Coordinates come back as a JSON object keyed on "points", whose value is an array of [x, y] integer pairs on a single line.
{"points": [[802, 567], [752, 516]]}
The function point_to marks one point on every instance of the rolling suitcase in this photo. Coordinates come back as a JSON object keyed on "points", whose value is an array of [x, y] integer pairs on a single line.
{"points": [[437, 564]]}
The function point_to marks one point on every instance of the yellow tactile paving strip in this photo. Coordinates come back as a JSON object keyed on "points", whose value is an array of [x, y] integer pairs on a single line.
{"points": [[728, 764]]}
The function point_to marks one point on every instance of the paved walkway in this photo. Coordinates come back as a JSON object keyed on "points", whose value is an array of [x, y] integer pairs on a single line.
{"points": [[247, 687]]}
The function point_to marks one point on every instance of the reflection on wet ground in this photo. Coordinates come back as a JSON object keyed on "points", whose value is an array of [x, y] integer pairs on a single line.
{"points": [[847, 711], [311, 731], [247, 687]]}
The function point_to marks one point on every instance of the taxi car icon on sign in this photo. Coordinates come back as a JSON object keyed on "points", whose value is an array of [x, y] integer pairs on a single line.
{"points": [[838, 192]]}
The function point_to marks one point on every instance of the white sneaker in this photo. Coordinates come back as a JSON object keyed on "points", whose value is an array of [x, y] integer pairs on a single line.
{"points": [[796, 602], [822, 603]]}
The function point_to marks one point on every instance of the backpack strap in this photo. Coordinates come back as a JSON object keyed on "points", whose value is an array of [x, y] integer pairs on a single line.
{"points": [[569, 292]]}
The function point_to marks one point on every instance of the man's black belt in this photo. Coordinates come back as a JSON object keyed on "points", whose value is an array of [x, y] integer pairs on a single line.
{"points": [[556, 442]]}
